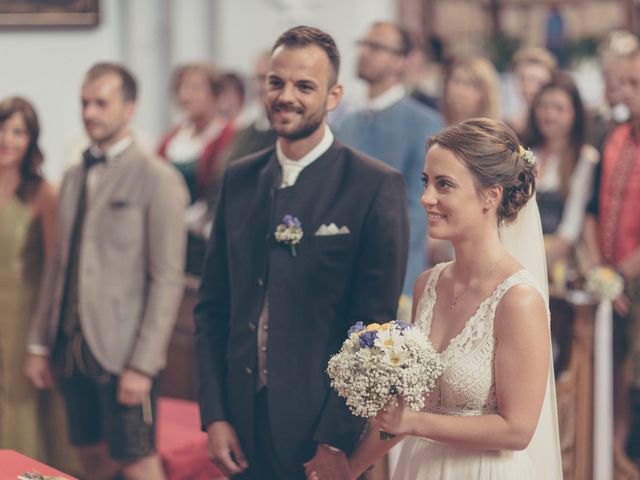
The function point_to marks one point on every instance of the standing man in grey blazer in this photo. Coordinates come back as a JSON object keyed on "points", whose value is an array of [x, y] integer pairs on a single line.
{"points": [[111, 290]]}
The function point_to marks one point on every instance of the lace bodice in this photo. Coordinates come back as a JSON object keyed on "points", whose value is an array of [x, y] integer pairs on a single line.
{"points": [[467, 385]]}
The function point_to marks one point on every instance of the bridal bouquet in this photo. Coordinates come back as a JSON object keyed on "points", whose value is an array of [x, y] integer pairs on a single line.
{"points": [[604, 283], [378, 363]]}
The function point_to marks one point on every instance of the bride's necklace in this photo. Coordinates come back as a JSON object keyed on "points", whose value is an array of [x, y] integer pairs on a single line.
{"points": [[456, 296]]}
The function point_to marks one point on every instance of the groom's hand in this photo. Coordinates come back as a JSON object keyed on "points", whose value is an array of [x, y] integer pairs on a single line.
{"points": [[328, 464], [224, 449]]}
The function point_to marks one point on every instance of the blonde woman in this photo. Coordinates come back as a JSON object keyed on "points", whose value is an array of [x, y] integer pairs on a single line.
{"points": [[470, 90], [533, 67]]}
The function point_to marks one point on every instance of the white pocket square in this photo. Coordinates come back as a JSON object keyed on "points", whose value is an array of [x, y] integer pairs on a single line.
{"points": [[331, 229]]}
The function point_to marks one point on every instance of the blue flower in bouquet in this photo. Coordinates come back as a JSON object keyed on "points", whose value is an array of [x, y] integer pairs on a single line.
{"points": [[401, 325], [368, 339], [356, 328], [289, 232], [379, 363], [291, 221]]}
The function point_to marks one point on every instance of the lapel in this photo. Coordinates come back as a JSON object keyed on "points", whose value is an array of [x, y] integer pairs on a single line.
{"points": [[113, 176], [68, 208], [268, 180]]}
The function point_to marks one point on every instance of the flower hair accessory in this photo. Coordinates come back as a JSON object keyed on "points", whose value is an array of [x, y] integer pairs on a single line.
{"points": [[289, 232], [527, 155]]}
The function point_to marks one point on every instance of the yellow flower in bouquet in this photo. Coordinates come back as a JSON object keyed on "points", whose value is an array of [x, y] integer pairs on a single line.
{"points": [[377, 363], [604, 283]]}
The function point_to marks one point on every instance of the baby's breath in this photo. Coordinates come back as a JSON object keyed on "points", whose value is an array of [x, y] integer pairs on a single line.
{"points": [[400, 362]]}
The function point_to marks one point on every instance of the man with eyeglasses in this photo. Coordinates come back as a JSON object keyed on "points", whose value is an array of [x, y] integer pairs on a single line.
{"points": [[393, 126]]}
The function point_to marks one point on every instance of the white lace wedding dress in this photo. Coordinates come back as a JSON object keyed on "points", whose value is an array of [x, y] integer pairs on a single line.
{"points": [[467, 387]]}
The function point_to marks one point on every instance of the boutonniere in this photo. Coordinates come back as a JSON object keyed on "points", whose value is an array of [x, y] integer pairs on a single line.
{"points": [[289, 232]]}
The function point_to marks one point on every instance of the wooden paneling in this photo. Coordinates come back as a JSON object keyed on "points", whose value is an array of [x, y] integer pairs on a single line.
{"points": [[179, 378]]}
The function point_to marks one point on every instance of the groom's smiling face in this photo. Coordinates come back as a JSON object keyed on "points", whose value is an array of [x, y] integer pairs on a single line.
{"points": [[299, 93]]}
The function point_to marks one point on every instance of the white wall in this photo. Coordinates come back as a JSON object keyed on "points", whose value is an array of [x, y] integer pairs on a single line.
{"points": [[151, 36], [47, 66], [243, 28]]}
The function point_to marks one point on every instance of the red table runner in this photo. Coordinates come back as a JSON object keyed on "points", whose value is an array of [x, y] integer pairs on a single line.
{"points": [[13, 464], [181, 442]]}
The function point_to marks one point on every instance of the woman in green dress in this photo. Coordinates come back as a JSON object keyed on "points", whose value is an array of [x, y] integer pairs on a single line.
{"points": [[32, 420]]}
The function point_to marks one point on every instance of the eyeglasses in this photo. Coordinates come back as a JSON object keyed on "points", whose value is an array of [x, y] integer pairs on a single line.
{"points": [[378, 47]]}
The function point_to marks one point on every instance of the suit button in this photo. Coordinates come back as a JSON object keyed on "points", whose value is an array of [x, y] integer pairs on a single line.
{"points": [[260, 282], [252, 327], [248, 370], [264, 349]]}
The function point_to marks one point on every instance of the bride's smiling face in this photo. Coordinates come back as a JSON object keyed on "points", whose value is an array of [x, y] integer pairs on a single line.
{"points": [[454, 206]]}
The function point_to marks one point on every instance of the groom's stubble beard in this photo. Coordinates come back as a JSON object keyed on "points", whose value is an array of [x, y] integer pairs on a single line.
{"points": [[308, 123]]}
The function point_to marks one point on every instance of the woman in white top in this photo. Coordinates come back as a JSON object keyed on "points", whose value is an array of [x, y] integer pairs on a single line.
{"points": [[491, 415], [195, 146], [566, 164]]}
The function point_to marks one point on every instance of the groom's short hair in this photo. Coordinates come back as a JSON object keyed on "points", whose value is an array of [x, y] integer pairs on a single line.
{"points": [[303, 36]]}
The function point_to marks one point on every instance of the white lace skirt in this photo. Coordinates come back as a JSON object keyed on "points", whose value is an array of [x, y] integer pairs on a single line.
{"points": [[422, 459]]}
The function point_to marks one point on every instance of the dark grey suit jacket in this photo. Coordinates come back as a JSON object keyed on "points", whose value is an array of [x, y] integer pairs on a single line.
{"points": [[333, 282]]}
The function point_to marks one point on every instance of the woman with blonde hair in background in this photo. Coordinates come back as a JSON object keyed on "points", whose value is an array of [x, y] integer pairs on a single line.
{"points": [[532, 67], [471, 89]]}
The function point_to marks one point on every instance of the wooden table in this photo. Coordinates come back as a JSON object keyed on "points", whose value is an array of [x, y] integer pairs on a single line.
{"points": [[573, 318], [13, 464], [574, 383]]}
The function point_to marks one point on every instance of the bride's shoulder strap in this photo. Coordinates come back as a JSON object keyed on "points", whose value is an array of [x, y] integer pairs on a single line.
{"points": [[425, 284], [429, 279], [436, 271], [522, 277]]}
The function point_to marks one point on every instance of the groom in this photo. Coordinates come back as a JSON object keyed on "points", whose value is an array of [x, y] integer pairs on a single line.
{"points": [[270, 314]]}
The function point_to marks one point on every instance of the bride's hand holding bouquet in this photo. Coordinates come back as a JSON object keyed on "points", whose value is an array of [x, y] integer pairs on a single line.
{"points": [[395, 418], [385, 367]]}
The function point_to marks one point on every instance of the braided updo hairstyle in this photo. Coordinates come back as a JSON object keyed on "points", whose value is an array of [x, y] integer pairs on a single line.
{"points": [[491, 151]]}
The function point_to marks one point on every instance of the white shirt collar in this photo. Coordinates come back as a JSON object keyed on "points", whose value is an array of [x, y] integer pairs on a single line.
{"points": [[292, 168], [387, 98], [114, 150]]}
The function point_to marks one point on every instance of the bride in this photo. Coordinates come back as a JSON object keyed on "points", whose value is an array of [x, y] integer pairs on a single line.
{"points": [[492, 414]]}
